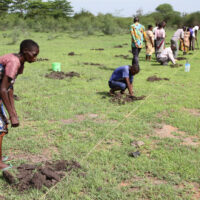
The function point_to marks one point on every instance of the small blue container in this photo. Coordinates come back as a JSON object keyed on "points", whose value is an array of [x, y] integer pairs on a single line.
{"points": [[187, 66]]}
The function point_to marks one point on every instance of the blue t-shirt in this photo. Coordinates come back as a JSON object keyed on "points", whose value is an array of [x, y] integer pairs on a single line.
{"points": [[120, 73]]}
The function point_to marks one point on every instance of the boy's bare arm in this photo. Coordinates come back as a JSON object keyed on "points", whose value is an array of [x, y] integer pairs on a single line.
{"points": [[7, 97], [130, 87]]}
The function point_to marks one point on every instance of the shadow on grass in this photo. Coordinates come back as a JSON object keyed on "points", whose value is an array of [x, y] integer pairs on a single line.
{"points": [[104, 94]]}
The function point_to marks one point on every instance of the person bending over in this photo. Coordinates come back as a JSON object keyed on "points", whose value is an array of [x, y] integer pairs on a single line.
{"points": [[11, 65], [167, 55], [122, 78]]}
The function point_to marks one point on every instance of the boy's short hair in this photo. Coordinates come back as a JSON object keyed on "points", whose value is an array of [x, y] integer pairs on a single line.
{"points": [[28, 44], [136, 19], [150, 26], [136, 68]]}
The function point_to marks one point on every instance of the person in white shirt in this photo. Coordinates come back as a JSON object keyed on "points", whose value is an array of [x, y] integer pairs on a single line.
{"points": [[178, 35], [160, 38], [167, 55], [194, 36]]}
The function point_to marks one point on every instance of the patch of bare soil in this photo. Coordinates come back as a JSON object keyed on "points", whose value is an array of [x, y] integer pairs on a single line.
{"points": [[27, 176], [155, 78], [79, 118], [122, 56], [181, 58], [97, 49], [42, 59], [123, 98], [62, 75], [167, 130], [176, 65]]}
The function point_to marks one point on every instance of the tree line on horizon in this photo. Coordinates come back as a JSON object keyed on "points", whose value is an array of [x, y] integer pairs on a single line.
{"points": [[58, 15]]}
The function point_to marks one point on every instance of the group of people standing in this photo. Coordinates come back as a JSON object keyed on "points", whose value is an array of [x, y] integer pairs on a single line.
{"points": [[154, 39]]}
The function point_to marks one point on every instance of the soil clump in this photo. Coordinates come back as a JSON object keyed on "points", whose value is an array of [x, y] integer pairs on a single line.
{"points": [[73, 54], [62, 75], [27, 176], [98, 49], [124, 98], [42, 59], [181, 58], [155, 78]]}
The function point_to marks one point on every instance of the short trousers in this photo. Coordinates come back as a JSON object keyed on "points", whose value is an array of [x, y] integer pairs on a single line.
{"points": [[3, 120]]}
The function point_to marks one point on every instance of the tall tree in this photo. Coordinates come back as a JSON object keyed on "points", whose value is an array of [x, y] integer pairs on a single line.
{"points": [[4, 6], [19, 6], [60, 8]]}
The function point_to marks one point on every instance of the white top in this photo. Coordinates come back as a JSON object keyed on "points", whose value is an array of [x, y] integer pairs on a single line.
{"points": [[178, 35], [154, 29], [167, 53], [159, 33], [196, 28]]}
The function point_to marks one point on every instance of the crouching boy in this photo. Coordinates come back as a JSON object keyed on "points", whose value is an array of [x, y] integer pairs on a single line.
{"points": [[122, 78]]}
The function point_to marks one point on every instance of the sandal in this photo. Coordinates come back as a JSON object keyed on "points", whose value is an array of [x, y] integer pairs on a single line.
{"points": [[7, 168]]}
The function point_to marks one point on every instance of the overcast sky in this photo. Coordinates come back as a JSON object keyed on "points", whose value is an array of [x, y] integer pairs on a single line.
{"points": [[128, 8]]}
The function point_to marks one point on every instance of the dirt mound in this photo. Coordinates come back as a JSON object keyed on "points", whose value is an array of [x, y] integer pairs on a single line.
{"points": [[176, 65], [122, 56], [73, 54], [99, 49], [181, 58], [122, 99], [155, 78], [36, 176], [61, 75], [42, 59]]}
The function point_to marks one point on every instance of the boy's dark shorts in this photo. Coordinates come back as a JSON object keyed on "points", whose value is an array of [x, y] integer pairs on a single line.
{"points": [[3, 121]]}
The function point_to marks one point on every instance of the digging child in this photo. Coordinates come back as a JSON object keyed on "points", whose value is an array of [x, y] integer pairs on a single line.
{"points": [[11, 65], [122, 78]]}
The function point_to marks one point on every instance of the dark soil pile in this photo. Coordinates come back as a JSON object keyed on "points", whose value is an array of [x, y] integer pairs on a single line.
{"points": [[176, 65], [181, 58], [61, 75], [122, 56], [36, 176], [155, 78], [99, 49], [122, 99], [42, 59], [73, 54]]}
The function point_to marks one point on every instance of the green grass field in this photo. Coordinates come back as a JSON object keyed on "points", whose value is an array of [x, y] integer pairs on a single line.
{"points": [[75, 119]]}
